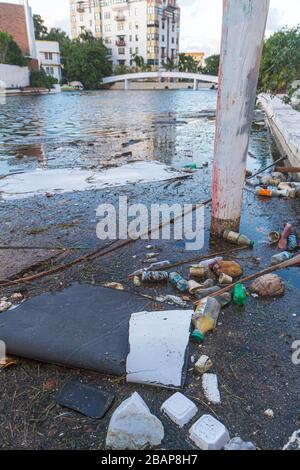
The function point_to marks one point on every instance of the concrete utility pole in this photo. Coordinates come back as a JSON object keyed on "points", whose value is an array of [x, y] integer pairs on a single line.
{"points": [[244, 23]]}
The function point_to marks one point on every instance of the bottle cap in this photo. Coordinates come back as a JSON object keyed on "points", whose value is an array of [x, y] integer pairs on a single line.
{"points": [[198, 336]]}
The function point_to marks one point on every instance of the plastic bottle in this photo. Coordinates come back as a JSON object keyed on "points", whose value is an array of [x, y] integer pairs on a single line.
{"points": [[210, 262], [178, 282], [237, 238], [224, 299], [292, 242], [205, 317], [202, 293], [239, 294], [276, 259], [270, 181], [159, 266], [273, 192], [155, 276], [190, 166]]}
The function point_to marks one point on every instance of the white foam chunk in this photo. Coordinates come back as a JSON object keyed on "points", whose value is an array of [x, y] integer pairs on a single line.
{"points": [[209, 434], [210, 388], [179, 409], [158, 342]]}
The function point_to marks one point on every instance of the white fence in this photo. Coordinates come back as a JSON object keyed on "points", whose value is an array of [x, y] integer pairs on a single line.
{"points": [[14, 76]]}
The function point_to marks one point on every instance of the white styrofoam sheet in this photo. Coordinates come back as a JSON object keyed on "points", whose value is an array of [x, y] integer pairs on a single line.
{"points": [[158, 343]]}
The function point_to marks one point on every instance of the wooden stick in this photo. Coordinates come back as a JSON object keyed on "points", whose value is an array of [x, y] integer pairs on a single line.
{"points": [[287, 169], [285, 264]]}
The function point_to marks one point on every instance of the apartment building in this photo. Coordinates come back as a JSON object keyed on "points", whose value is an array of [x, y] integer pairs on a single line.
{"points": [[147, 28], [49, 57]]}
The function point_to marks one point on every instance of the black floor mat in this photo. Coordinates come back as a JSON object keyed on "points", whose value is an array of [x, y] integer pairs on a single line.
{"points": [[86, 399], [82, 326]]}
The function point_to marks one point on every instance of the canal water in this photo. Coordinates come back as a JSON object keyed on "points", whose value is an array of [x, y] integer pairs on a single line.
{"points": [[92, 130]]}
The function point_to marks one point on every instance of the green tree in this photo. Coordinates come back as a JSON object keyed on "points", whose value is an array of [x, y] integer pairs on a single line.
{"points": [[212, 64], [10, 53], [56, 34], [170, 65], [40, 29], [122, 70], [140, 63], [39, 79], [280, 64], [187, 64], [85, 59]]}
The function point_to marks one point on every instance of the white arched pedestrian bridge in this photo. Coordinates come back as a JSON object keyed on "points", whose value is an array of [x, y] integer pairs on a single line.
{"points": [[126, 78]]}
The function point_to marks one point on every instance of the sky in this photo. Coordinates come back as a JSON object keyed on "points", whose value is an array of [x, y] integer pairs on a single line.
{"points": [[200, 20]]}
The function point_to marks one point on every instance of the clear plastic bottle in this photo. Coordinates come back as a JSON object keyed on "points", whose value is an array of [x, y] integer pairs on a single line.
{"points": [[205, 317], [237, 238], [280, 258]]}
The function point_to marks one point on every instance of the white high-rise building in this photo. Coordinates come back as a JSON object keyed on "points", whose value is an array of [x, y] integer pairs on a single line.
{"points": [[146, 28]]}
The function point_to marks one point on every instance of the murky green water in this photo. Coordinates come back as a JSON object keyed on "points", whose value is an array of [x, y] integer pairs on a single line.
{"points": [[92, 129]]}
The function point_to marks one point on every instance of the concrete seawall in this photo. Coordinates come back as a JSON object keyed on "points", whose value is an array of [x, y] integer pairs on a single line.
{"points": [[284, 122], [14, 76]]}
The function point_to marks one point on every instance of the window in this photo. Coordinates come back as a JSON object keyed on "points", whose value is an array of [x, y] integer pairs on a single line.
{"points": [[130, 38], [173, 41], [120, 27], [107, 15], [130, 50], [121, 62], [163, 38], [107, 40], [109, 51], [50, 70], [136, 26], [48, 55], [163, 25], [136, 38], [136, 50], [121, 50], [107, 28], [81, 18]]}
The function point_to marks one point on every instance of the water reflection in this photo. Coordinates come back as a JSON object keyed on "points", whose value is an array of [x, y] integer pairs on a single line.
{"points": [[92, 129]]}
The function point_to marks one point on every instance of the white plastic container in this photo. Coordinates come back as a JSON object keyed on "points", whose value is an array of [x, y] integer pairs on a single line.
{"points": [[209, 434], [179, 409]]}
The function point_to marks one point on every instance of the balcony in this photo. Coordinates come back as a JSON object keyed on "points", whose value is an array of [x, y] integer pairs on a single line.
{"points": [[120, 18], [121, 43]]}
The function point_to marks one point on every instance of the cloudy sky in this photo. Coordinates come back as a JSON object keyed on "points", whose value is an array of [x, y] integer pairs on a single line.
{"points": [[200, 20]]}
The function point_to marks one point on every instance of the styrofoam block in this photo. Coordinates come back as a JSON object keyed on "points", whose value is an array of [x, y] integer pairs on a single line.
{"points": [[209, 434], [158, 344], [210, 388], [179, 409]]}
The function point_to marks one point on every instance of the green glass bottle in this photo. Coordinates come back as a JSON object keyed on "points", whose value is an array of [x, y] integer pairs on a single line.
{"points": [[240, 294]]}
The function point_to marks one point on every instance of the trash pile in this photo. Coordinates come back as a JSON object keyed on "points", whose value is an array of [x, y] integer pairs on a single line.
{"points": [[132, 426], [275, 185], [157, 343]]}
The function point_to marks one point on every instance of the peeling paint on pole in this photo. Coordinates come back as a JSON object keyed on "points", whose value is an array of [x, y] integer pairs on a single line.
{"points": [[244, 23]]}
